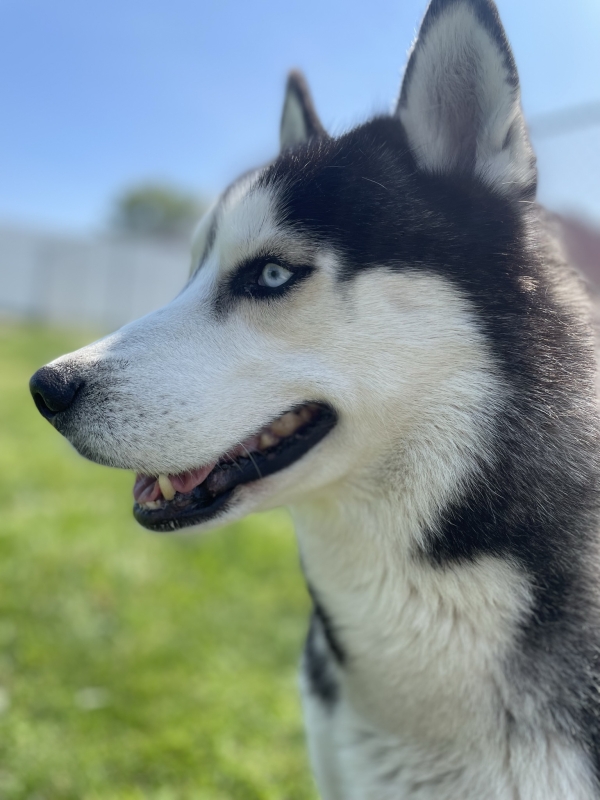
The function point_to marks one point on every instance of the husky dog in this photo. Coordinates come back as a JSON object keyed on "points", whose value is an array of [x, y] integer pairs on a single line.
{"points": [[379, 332]]}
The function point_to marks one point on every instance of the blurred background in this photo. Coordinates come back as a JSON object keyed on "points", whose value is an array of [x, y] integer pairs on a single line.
{"points": [[134, 666]]}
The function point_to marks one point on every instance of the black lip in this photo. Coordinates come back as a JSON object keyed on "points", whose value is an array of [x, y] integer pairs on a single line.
{"points": [[202, 504]]}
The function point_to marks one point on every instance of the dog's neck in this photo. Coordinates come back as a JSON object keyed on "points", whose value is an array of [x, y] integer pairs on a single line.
{"points": [[422, 644], [425, 652]]}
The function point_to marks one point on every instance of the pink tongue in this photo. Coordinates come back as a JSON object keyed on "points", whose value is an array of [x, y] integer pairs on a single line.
{"points": [[186, 481], [146, 488]]}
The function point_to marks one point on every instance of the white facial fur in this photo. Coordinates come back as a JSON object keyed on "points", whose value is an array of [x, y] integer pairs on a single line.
{"points": [[392, 353]]}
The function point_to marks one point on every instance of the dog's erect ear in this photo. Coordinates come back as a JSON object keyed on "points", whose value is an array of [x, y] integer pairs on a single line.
{"points": [[299, 120], [460, 101]]}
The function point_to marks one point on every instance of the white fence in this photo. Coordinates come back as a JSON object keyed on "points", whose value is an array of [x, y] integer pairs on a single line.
{"points": [[98, 282], [103, 282]]}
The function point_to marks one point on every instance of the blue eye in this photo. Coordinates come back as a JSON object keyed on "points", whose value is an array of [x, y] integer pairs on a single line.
{"points": [[273, 276]]}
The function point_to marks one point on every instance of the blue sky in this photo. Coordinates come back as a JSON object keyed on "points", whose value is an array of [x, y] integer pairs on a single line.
{"points": [[100, 95]]}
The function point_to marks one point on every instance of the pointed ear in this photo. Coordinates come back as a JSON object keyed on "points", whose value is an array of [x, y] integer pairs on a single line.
{"points": [[299, 120], [460, 101]]}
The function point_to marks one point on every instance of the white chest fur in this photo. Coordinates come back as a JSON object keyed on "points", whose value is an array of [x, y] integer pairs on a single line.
{"points": [[425, 709]]}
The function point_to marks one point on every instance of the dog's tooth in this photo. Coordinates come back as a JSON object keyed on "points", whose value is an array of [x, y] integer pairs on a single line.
{"points": [[305, 414], [286, 425], [151, 504], [268, 439], [166, 487]]}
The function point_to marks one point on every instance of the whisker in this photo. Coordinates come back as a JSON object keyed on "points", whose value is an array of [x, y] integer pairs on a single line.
{"points": [[252, 460]]}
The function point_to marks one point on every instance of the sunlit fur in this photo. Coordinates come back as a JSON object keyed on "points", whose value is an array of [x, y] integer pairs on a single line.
{"points": [[461, 102], [447, 525]]}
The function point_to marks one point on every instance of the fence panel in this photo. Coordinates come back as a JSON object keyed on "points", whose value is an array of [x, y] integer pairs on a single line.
{"points": [[101, 282]]}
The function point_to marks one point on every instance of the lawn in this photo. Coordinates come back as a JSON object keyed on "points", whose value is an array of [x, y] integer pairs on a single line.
{"points": [[135, 665]]}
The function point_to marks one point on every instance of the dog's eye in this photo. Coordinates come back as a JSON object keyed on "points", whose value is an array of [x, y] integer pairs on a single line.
{"points": [[263, 279], [273, 276]]}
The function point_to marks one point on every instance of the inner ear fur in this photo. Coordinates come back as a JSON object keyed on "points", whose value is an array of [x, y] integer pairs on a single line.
{"points": [[460, 100]]}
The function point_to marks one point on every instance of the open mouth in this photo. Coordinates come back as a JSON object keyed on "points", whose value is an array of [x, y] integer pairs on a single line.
{"points": [[169, 502]]}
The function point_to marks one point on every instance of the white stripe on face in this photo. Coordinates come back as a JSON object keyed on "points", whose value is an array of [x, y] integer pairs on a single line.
{"points": [[246, 224]]}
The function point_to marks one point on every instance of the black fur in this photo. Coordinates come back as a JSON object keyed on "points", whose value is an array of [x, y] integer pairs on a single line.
{"points": [[320, 664], [538, 505], [331, 635], [318, 667], [535, 498]]}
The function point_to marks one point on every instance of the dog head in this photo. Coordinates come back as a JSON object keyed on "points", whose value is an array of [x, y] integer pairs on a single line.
{"points": [[330, 323]]}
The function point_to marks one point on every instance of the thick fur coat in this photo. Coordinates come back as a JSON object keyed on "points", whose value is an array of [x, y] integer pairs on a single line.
{"points": [[380, 333]]}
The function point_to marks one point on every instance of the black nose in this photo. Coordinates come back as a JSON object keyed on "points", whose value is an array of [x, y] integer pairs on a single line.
{"points": [[53, 389]]}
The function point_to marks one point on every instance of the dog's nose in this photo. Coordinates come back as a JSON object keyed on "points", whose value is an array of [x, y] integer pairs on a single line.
{"points": [[53, 389]]}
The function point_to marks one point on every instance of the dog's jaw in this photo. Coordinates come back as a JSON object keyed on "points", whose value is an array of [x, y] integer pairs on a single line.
{"points": [[198, 496]]}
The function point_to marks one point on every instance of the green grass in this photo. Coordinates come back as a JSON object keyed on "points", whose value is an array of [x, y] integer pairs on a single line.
{"points": [[132, 665]]}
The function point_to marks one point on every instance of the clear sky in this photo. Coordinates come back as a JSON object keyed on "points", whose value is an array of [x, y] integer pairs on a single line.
{"points": [[100, 94]]}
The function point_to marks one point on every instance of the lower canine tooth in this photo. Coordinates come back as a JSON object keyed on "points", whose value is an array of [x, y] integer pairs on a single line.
{"points": [[166, 487]]}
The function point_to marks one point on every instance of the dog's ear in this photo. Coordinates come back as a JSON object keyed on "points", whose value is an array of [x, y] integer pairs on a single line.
{"points": [[299, 120], [460, 100]]}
